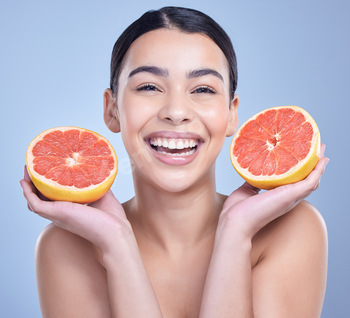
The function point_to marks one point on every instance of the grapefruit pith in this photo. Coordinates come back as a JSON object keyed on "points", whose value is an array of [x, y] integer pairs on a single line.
{"points": [[71, 164], [276, 146]]}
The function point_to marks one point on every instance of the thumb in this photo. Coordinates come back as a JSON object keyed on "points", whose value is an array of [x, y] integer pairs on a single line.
{"points": [[244, 192], [249, 189], [107, 203]]}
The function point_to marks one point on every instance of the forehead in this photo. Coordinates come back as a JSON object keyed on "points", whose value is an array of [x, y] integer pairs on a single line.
{"points": [[176, 50]]}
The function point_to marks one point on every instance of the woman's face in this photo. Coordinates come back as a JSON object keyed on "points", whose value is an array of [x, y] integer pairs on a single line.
{"points": [[174, 108]]}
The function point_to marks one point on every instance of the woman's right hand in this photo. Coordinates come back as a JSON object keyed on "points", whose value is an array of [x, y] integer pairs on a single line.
{"points": [[97, 222], [105, 225]]}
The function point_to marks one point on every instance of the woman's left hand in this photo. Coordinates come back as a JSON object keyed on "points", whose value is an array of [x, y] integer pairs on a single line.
{"points": [[250, 210]]}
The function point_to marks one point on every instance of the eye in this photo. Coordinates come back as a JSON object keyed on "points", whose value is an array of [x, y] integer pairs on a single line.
{"points": [[204, 89], [148, 87]]}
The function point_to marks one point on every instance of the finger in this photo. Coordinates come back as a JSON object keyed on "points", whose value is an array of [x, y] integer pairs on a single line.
{"points": [[23, 185], [29, 192], [314, 178], [297, 192], [107, 203], [250, 188], [88, 222], [28, 183], [284, 198], [29, 180], [245, 191], [322, 150], [26, 175], [46, 209], [83, 220]]}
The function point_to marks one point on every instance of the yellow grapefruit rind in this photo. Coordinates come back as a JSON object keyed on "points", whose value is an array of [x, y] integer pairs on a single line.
{"points": [[57, 192], [295, 174]]}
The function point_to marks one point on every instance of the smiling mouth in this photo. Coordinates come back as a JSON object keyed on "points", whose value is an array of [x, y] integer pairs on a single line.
{"points": [[174, 146]]}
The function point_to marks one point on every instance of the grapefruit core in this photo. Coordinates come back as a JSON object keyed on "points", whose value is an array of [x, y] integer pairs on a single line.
{"points": [[276, 146], [71, 164]]}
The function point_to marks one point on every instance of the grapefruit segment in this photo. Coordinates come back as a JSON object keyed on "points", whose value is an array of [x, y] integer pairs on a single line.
{"points": [[71, 164], [277, 146]]}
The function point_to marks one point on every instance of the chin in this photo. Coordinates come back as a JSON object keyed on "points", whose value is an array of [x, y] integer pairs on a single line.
{"points": [[182, 181]]}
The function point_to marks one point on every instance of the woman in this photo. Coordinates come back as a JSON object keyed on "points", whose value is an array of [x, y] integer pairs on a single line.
{"points": [[178, 248]]}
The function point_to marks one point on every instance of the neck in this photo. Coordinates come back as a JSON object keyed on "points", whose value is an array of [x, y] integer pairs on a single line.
{"points": [[174, 220]]}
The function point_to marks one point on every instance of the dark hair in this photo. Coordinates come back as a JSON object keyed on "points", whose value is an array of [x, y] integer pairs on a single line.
{"points": [[183, 19]]}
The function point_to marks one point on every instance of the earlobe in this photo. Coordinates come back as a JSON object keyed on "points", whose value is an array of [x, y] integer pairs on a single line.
{"points": [[110, 113], [232, 124]]}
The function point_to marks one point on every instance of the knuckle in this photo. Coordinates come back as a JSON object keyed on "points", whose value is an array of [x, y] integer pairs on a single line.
{"points": [[30, 207], [33, 206]]}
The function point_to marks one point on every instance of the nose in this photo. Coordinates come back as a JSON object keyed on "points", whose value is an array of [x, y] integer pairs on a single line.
{"points": [[177, 109]]}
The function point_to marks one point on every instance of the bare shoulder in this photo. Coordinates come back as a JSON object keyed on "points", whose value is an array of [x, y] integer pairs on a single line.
{"points": [[292, 263], [66, 266], [57, 248], [303, 225], [64, 246]]}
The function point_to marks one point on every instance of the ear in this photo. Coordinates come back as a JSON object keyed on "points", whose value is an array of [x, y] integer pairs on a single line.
{"points": [[110, 111], [232, 124]]}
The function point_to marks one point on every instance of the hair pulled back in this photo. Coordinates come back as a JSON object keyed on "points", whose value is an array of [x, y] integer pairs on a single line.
{"points": [[183, 19]]}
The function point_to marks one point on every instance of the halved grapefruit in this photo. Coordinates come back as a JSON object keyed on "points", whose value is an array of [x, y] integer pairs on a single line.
{"points": [[276, 146], [71, 164]]}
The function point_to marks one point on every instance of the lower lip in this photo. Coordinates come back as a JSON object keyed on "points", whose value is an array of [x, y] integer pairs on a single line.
{"points": [[175, 159]]}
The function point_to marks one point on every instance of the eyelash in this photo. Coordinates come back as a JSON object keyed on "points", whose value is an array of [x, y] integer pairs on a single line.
{"points": [[200, 89], [204, 90], [148, 87]]}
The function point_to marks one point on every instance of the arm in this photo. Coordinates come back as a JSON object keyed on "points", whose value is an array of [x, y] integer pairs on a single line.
{"points": [[290, 279], [70, 279], [232, 289], [61, 268]]}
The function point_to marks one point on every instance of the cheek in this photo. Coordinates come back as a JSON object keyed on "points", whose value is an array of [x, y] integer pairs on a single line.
{"points": [[131, 114], [130, 128], [216, 121]]}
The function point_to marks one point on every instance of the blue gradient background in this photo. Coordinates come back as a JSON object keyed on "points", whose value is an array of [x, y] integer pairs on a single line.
{"points": [[54, 67]]}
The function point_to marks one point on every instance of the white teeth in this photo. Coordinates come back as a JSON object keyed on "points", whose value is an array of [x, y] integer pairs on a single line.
{"points": [[174, 143]]}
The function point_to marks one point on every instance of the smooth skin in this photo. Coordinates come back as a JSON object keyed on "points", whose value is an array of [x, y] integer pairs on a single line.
{"points": [[178, 248]]}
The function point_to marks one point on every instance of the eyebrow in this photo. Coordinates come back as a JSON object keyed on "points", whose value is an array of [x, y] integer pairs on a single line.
{"points": [[150, 69], [164, 72], [203, 72]]}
